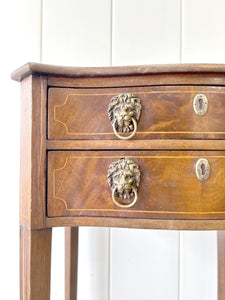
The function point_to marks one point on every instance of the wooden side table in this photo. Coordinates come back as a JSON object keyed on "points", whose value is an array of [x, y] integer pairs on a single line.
{"points": [[135, 147]]}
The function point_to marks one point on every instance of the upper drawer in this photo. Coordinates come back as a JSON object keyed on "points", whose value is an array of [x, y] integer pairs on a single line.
{"points": [[164, 112]]}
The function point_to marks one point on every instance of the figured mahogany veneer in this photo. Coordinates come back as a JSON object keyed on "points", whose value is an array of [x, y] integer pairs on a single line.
{"points": [[169, 187], [167, 112], [68, 144]]}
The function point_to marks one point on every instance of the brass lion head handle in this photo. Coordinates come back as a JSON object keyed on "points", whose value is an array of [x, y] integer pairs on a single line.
{"points": [[124, 179], [124, 112]]}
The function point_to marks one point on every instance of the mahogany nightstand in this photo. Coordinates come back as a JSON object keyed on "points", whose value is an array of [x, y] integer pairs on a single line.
{"points": [[135, 147]]}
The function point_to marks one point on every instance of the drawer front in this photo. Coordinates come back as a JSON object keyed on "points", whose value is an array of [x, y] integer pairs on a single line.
{"points": [[168, 186], [166, 112]]}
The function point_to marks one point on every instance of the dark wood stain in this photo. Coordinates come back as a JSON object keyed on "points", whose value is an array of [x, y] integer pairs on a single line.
{"points": [[63, 171], [169, 187], [167, 112]]}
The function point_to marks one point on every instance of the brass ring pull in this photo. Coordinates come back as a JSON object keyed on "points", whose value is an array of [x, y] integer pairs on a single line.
{"points": [[125, 137], [134, 190], [124, 113], [124, 179]]}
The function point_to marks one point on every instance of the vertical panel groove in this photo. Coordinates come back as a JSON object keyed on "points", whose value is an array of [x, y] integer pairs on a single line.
{"points": [[181, 29], [111, 31], [41, 29], [109, 263], [178, 276], [179, 234], [109, 233]]}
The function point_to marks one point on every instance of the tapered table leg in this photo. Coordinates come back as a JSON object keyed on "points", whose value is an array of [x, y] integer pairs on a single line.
{"points": [[221, 265], [35, 264], [71, 262]]}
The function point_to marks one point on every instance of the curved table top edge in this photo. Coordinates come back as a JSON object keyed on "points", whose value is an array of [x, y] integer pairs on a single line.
{"points": [[89, 72]]}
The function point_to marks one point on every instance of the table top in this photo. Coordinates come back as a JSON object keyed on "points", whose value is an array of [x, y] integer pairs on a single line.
{"points": [[79, 72]]}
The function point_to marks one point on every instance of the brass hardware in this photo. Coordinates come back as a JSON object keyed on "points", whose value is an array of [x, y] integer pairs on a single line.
{"points": [[202, 169], [124, 112], [124, 205], [125, 137], [124, 179], [200, 104]]}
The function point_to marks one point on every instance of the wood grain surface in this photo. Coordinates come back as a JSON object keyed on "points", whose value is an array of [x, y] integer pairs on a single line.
{"points": [[169, 188], [71, 262], [64, 177], [163, 144], [121, 222], [167, 113], [164, 79], [33, 152], [77, 72], [35, 263], [221, 264]]}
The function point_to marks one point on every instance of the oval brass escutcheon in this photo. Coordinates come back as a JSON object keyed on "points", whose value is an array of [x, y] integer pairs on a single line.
{"points": [[200, 104], [202, 169]]}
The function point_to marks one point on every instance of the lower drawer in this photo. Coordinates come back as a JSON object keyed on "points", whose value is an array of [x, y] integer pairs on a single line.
{"points": [[137, 184]]}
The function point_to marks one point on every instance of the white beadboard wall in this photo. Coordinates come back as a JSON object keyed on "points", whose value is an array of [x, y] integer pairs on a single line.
{"points": [[20, 24], [114, 264]]}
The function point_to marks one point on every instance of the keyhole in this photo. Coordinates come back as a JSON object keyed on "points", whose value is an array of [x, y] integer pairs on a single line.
{"points": [[200, 104], [203, 169], [200, 101]]}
